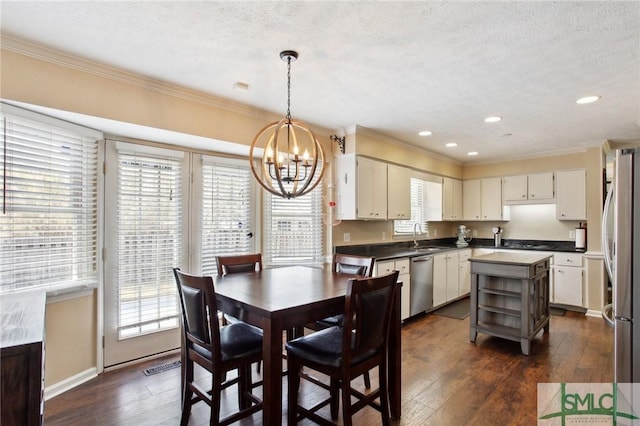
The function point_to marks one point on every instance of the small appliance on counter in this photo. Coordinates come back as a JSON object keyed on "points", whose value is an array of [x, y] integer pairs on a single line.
{"points": [[581, 236], [497, 236], [464, 236]]}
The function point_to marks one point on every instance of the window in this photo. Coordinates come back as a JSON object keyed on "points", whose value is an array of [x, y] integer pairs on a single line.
{"points": [[426, 204], [49, 202], [293, 229], [149, 241], [226, 210]]}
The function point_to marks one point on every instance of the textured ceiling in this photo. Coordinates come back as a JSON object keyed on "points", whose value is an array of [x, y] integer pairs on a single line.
{"points": [[393, 67]]}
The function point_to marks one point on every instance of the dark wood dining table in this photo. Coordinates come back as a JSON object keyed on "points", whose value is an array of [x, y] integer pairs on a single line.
{"points": [[279, 299]]}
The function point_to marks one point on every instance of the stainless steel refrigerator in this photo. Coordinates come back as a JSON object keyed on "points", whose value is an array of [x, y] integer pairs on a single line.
{"points": [[622, 257]]}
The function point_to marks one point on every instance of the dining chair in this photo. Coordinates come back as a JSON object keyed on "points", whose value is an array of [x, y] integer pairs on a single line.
{"points": [[216, 349], [345, 264], [235, 264], [346, 352], [239, 263]]}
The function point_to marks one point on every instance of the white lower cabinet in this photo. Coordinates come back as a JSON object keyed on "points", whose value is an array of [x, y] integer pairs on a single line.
{"points": [[401, 265], [464, 277], [567, 283], [445, 277]]}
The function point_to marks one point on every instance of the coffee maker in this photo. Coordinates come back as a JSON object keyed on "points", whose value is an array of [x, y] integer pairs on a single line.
{"points": [[497, 236]]}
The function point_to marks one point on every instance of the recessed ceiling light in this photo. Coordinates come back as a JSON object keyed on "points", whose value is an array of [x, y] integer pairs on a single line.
{"points": [[587, 99], [243, 87], [472, 153], [425, 133], [451, 144], [494, 119]]}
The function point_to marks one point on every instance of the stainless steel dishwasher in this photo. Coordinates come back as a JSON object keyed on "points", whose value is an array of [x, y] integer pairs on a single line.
{"points": [[421, 284]]}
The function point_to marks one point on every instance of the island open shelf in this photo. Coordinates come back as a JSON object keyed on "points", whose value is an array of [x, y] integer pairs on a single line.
{"points": [[510, 296]]}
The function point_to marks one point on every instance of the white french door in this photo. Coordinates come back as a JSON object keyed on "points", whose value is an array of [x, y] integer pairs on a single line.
{"points": [[146, 235]]}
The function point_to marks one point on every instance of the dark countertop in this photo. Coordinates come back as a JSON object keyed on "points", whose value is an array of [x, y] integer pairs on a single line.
{"points": [[389, 251]]}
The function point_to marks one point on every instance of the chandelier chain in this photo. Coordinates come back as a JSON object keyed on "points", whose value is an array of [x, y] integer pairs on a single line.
{"points": [[289, 88]]}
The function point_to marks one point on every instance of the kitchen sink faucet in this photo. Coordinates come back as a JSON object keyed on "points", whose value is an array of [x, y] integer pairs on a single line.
{"points": [[416, 225]]}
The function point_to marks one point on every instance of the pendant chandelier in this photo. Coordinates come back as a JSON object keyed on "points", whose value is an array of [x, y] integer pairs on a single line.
{"points": [[292, 162]]}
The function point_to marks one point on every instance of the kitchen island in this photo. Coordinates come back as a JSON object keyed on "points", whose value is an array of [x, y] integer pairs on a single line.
{"points": [[510, 296]]}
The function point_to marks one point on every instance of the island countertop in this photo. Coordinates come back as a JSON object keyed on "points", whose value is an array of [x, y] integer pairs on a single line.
{"points": [[509, 258]]}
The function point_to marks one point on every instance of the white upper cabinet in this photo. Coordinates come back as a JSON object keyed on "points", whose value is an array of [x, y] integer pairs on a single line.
{"points": [[370, 189], [482, 199], [571, 197], [528, 189], [451, 199], [398, 192]]}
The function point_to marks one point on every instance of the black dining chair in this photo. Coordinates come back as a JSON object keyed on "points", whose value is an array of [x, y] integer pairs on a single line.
{"points": [[216, 349], [347, 351], [345, 264], [234, 264]]}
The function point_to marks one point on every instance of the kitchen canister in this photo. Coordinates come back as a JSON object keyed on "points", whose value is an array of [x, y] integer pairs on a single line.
{"points": [[581, 237]]}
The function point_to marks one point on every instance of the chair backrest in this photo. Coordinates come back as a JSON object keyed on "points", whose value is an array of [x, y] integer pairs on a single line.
{"points": [[240, 263], [368, 306], [199, 311], [351, 264]]}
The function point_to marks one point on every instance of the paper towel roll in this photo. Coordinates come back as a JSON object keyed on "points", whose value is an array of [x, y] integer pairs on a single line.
{"points": [[581, 238]]}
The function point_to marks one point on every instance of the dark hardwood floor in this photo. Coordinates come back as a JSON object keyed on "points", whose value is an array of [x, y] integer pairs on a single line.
{"points": [[446, 380]]}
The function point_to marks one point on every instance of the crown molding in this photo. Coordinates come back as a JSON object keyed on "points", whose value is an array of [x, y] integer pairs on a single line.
{"points": [[66, 60]]}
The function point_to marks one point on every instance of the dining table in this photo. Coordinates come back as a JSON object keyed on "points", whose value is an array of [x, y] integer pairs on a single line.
{"points": [[283, 298]]}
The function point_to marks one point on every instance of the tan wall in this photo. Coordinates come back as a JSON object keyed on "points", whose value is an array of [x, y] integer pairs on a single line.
{"points": [[70, 345], [368, 143]]}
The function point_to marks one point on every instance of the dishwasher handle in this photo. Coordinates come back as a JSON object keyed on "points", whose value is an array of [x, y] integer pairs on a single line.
{"points": [[421, 259]]}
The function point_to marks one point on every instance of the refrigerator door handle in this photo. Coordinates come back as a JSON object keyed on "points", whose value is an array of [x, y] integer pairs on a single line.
{"points": [[608, 258], [607, 315]]}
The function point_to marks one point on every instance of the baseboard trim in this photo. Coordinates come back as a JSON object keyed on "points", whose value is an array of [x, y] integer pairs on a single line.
{"points": [[593, 313], [70, 383]]}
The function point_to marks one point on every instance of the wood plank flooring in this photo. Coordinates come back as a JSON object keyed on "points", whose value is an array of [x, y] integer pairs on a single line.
{"points": [[446, 380]]}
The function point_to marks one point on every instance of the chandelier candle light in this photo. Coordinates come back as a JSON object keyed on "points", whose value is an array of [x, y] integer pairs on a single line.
{"points": [[292, 162]]}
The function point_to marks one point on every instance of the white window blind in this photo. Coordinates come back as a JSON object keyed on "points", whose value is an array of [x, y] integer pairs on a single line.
{"points": [[226, 212], [426, 204], [48, 211], [149, 242], [293, 229]]}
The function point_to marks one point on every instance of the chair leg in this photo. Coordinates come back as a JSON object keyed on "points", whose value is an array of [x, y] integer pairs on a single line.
{"points": [[367, 380], [384, 394], [216, 393], [293, 379], [334, 392], [346, 402], [187, 393], [244, 387]]}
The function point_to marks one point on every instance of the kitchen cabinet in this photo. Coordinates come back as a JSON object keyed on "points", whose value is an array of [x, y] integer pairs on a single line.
{"points": [[464, 277], [528, 189], [451, 199], [361, 188], [571, 197], [568, 283], [482, 199], [403, 266], [510, 296], [445, 277], [368, 189], [398, 192]]}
